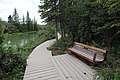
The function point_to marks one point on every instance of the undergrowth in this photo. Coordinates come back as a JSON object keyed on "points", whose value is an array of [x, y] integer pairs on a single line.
{"points": [[61, 46], [110, 69], [13, 60]]}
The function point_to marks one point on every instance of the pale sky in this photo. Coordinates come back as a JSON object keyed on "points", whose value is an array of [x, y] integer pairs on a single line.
{"points": [[7, 7]]}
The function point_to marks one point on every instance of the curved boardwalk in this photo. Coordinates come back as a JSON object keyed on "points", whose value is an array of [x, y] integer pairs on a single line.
{"points": [[41, 65]]}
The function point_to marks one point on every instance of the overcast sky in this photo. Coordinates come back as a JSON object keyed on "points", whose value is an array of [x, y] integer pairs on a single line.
{"points": [[22, 6]]}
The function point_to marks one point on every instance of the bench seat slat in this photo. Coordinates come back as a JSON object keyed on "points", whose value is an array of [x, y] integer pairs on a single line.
{"points": [[86, 54], [87, 51]]}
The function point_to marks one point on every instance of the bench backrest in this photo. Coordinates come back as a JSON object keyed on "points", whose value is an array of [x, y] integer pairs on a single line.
{"points": [[91, 47]]}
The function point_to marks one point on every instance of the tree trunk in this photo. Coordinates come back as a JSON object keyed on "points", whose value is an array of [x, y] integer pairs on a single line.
{"points": [[62, 29], [56, 30]]}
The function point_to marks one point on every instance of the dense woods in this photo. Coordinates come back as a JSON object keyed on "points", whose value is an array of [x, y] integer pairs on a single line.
{"points": [[93, 22], [84, 20]]}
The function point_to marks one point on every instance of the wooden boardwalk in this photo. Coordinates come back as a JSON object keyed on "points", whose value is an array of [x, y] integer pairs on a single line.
{"points": [[41, 65], [73, 68]]}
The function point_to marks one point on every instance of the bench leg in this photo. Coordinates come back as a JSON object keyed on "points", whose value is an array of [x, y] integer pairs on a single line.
{"points": [[95, 65], [88, 63]]}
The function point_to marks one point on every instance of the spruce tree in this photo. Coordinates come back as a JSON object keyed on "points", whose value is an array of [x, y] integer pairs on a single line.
{"points": [[23, 23], [28, 21], [15, 18], [35, 27], [10, 19]]}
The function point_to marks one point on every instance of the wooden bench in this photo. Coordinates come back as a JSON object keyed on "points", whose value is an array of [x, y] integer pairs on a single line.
{"points": [[89, 53]]}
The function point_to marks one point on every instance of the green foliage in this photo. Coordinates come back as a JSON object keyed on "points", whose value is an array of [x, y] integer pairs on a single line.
{"points": [[15, 16], [49, 10], [10, 19], [85, 19], [109, 74], [13, 57], [15, 25], [61, 46], [10, 61], [94, 22], [2, 28]]}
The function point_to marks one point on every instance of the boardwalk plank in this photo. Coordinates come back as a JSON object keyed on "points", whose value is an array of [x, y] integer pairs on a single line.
{"points": [[70, 68], [65, 73], [75, 70], [78, 63], [79, 70]]}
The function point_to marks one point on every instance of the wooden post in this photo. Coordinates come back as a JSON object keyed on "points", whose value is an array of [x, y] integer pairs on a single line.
{"points": [[94, 57]]}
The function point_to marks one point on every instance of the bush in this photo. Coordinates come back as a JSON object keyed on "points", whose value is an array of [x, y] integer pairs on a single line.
{"points": [[109, 73], [13, 59], [61, 46]]}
